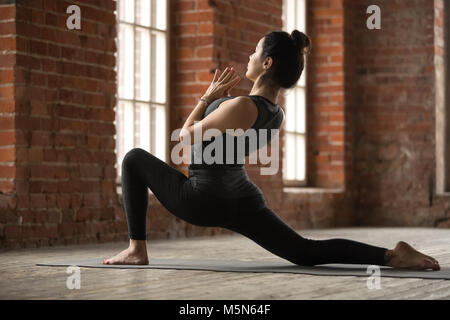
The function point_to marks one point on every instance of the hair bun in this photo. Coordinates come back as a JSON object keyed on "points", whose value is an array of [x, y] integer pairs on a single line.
{"points": [[301, 41]]}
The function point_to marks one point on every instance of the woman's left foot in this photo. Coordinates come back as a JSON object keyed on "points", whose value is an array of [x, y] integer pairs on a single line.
{"points": [[128, 256]]}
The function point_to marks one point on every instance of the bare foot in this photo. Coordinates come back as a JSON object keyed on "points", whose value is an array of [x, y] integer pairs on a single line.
{"points": [[128, 256], [406, 257]]}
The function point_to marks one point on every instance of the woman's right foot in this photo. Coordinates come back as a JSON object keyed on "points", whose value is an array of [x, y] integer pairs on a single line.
{"points": [[405, 256], [128, 256]]}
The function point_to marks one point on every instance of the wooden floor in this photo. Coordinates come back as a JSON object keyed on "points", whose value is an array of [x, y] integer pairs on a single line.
{"points": [[21, 279]]}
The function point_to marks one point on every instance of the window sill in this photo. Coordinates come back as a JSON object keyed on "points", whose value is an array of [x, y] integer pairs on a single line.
{"points": [[311, 190]]}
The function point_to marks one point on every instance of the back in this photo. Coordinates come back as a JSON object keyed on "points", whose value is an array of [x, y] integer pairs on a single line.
{"points": [[270, 116]]}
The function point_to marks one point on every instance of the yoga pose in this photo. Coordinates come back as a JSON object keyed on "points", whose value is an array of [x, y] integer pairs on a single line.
{"points": [[220, 194]]}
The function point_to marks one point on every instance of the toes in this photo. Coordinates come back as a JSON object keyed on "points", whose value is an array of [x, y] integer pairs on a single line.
{"points": [[429, 264], [433, 262], [436, 265]]}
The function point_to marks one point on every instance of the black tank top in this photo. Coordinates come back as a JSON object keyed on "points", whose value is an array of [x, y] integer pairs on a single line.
{"points": [[230, 180]]}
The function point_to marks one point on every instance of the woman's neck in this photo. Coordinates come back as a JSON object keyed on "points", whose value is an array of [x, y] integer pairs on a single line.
{"points": [[265, 90], [269, 96]]}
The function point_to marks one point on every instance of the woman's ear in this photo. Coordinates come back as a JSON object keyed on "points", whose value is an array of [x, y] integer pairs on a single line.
{"points": [[268, 63]]}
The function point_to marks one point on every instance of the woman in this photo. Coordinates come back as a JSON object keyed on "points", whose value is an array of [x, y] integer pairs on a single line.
{"points": [[220, 194]]}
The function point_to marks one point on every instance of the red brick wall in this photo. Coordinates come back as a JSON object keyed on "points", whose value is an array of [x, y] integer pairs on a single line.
{"points": [[61, 181], [329, 150], [7, 125], [326, 103], [9, 219], [57, 130], [370, 115], [391, 78]]}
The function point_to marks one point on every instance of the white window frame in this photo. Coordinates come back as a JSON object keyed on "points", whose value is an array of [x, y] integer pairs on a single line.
{"points": [[289, 27], [151, 102]]}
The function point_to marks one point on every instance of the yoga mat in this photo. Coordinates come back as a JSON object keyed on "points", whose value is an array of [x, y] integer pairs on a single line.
{"points": [[263, 266]]}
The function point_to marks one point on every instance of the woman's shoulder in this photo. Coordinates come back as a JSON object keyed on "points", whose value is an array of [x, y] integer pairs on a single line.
{"points": [[241, 100]]}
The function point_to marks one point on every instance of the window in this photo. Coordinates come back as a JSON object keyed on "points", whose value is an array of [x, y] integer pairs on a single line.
{"points": [[294, 151], [141, 110]]}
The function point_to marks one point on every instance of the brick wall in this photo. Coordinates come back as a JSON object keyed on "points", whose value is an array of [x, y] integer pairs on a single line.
{"points": [[392, 85], [326, 104], [65, 86], [370, 115], [57, 133]]}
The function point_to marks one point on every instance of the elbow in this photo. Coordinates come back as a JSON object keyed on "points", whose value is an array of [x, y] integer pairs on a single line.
{"points": [[183, 132], [185, 140], [185, 137]]}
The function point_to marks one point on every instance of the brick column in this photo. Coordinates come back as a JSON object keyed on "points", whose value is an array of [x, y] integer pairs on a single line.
{"points": [[326, 116], [394, 78], [57, 160]]}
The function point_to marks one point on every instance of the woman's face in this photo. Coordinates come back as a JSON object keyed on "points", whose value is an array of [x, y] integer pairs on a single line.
{"points": [[255, 67]]}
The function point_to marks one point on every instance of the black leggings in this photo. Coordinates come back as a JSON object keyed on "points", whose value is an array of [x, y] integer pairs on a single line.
{"points": [[249, 216]]}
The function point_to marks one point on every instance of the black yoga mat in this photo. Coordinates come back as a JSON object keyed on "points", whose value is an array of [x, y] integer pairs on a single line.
{"points": [[267, 266]]}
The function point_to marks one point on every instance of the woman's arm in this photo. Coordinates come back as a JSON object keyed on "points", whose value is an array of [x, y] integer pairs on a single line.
{"points": [[237, 113], [221, 84], [196, 115]]}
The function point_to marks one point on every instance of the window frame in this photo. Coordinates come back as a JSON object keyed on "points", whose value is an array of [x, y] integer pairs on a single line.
{"points": [[135, 101], [295, 182]]}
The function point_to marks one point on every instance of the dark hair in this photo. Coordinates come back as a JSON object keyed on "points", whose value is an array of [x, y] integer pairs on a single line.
{"points": [[287, 51]]}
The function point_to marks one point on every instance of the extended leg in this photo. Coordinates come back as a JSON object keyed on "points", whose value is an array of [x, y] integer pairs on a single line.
{"points": [[268, 230]]}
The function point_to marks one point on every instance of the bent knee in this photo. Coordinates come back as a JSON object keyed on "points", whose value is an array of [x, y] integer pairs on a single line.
{"points": [[135, 151], [133, 155]]}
